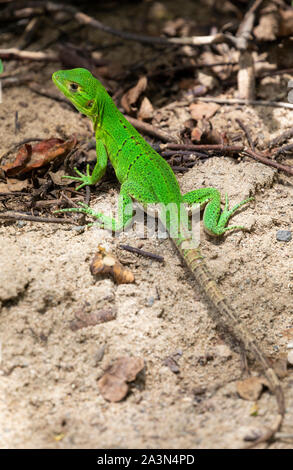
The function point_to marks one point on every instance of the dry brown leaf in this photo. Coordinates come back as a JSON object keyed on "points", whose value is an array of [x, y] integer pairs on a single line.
{"points": [[146, 110], [203, 110], [286, 23], [57, 178], [30, 157], [13, 185], [196, 134], [268, 27], [130, 98], [105, 263], [113, 385], [250, 388]]}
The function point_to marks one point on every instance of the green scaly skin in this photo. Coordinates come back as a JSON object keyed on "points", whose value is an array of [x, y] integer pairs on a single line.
{"points": [[148, 179]]}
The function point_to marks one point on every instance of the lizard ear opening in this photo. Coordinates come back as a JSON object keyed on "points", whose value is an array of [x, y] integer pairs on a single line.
{"points": [[89, 103]]}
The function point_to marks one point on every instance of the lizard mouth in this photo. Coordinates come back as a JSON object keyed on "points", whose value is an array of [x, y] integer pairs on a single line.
{"points": [[59, 83]]}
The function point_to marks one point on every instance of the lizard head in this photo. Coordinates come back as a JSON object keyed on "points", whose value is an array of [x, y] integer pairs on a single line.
{"points": [[80, 87]]}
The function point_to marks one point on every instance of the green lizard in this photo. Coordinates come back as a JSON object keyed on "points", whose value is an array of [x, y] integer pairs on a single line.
{"points": [[147, 178]]}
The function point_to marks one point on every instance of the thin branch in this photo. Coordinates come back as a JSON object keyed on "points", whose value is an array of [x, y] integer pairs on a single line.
{"points": [[34, 218], [267, 161], [147, 254], [230, 101], [246, 132], [14, 53], [281, 138], [149, 129]]}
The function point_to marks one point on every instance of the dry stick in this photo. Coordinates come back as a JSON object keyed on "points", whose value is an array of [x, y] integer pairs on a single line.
{"points": [[246, 25], [14, 53], [246, 132], [34, 218], [284, 149], [149, 129], [230, 101], [147, 254], [82, 18], [232, 149], [215, 147], [13, 81], [246, 75], [267, 161], [281, 138]]}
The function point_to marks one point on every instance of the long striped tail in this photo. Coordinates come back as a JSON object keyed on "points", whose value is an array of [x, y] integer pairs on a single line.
{"points": [[228, 318]]}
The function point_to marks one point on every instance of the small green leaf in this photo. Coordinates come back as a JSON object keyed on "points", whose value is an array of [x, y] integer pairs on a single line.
{"points": [[1, 66]]}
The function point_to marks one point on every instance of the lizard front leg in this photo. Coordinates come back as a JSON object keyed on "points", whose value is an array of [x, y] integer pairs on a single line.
{"points": [[214, 219], [98, 171], [129, 190]]}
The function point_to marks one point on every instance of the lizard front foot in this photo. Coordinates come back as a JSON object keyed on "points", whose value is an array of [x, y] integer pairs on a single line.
{"points": [[85, 180]]}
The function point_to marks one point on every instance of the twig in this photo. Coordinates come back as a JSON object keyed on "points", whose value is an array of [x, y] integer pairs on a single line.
{"points": [[246, 74], [215, 147], [267, 161], [147, 254], [14, 53], [85, 19], [281, 138], [275, 104], [284, 149], [183, 153], [82, 18], [149, 129], [52, 202], [246, 132], [232, 149], [246, 25], [34, 218]]}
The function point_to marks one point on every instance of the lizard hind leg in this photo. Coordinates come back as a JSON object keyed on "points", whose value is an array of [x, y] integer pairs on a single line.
{"points": [[215, 220], [227, 213]]}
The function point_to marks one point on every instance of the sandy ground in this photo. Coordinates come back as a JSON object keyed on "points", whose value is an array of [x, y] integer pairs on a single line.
{"points": [[49, 396]]}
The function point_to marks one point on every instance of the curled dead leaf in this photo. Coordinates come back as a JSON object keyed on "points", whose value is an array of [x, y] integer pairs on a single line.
{"points": [[203, 110], [146, 110], [113, 385], [13, 185], [105, 263], [130, 98], [30, 157]]}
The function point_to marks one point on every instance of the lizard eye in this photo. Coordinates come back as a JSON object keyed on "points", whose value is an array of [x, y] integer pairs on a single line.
{"points": [[73, 87]]}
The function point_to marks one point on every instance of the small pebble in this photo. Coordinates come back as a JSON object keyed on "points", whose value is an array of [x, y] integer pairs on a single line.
{"points": [[290, 345], [78, 228], [284, 235], [21, 223]]}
